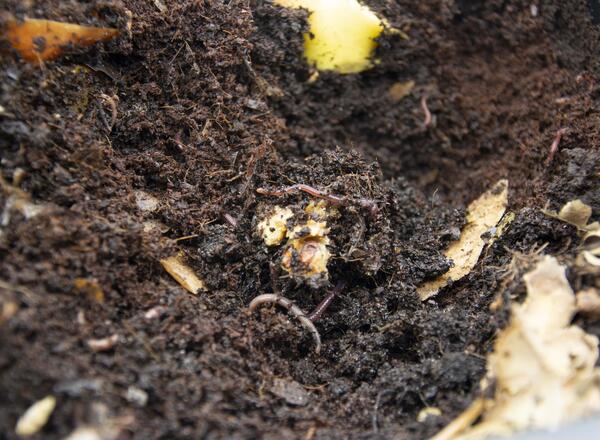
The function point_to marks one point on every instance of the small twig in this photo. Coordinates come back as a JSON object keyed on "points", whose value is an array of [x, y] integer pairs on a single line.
{"points": [[375, 417], [368, 204], [554, 147], [428, 117], [113, 109], [187, 237]]}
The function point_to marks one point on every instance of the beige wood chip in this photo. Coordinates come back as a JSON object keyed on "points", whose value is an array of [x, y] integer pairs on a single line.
{"points": [[183, 274]]}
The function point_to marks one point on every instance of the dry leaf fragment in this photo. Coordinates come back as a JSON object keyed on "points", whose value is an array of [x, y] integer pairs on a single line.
{"points": [[160, 6], [22, 205], [40, 40], [542, 366], [154, 226], [17, 201], [183, 274], [576, 213], [35, 417], [483, 214]]}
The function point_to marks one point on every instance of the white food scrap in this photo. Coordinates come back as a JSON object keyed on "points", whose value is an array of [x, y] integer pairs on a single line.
{"points": [[146, 202], [542, 367], [35, 417], [483, 215], [103, 344]]}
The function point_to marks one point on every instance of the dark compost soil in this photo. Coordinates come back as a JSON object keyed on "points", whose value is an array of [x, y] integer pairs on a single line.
{"points": [[214, 101]]}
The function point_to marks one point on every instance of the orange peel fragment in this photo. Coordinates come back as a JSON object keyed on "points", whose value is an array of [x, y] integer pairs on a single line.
{"points": [[41, 40]]}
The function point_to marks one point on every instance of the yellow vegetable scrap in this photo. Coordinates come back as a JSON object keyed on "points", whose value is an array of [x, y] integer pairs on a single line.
{"points": [[40, 40], [483, 215], [342, 34], [319, 210], [273, 228], [307, 254], [183, 274]]}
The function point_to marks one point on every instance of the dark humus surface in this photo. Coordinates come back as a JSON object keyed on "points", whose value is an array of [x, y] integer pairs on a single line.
{"points": [[214, 101]]}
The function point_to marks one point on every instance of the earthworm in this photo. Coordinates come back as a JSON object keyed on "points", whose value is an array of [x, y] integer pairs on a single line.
{"points": [[368, 204], [320, 309], [268, 298], [555, 143], [428, 118]]}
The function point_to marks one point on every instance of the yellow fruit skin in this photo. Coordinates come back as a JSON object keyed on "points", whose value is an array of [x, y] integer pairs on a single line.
{"points": [[342, 34]]}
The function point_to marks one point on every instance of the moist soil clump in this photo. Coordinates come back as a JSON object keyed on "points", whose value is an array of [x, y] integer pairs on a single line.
{"points": [[214, 101]]}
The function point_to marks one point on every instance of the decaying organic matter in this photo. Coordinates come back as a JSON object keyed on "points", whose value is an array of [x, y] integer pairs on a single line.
{"points": [[542, 367], [154, 144], [483, 214]]}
